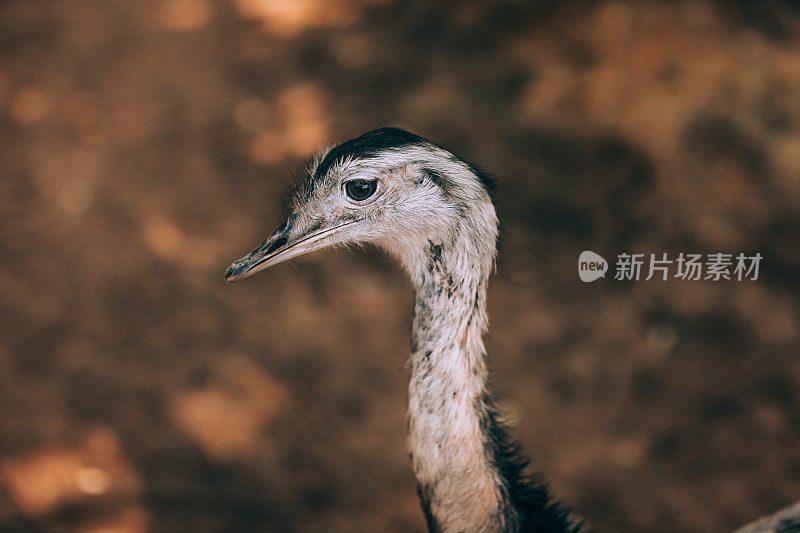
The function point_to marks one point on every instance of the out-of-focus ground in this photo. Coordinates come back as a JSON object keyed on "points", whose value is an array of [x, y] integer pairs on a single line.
{"points": [[144, 146]]}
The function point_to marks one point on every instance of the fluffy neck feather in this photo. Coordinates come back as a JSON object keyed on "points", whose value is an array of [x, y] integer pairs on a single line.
{"points": [[469, 474]]}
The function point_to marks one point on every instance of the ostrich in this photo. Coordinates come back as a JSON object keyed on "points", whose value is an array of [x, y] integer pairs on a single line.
{"points": [[433, 212]]}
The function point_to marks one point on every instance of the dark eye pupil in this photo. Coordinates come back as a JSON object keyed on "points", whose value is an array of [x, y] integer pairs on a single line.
{"points": [[361, 189]]}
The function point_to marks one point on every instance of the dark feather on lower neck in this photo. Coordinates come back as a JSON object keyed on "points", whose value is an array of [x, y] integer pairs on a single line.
{"points": [[530, 506]]}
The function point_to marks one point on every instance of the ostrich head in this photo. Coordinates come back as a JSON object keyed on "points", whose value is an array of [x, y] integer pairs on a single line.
{"points": [[390, 188]]}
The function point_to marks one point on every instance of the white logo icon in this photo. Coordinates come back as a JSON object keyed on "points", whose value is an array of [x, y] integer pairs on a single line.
{"points": [[591, 266]]}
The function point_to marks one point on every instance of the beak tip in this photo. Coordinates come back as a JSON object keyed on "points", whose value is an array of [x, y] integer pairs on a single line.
{"points": [[234, 272]]}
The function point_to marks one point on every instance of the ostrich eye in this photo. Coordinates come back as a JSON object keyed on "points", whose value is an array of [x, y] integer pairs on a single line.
{"points": [[360, 190]]}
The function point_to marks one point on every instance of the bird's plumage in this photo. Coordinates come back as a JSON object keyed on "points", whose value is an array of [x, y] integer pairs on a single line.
{"points": [[432, 211]]}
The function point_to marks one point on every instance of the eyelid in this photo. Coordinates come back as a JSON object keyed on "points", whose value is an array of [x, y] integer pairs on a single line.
{"points": [[376, 180]]}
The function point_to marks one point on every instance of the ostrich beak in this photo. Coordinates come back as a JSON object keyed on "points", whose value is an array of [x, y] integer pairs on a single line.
{"points": [[282, 246]]}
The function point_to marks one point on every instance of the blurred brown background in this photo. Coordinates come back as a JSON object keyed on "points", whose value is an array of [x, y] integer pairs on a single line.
{"points": [[144, 145]]}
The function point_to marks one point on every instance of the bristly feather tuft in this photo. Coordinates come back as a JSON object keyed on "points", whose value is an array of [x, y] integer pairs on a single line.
{"points": [[488, 181], [368, 145], [373, 144], [532, 508], [301, 185]]}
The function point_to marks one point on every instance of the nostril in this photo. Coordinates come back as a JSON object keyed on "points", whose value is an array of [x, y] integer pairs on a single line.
{"points": [[275, 245]]}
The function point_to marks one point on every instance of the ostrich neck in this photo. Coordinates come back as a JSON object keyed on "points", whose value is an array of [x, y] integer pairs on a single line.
{"points": [[470, 474], [459, 484]]}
